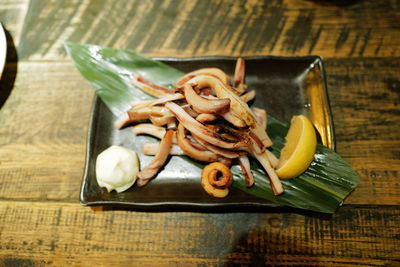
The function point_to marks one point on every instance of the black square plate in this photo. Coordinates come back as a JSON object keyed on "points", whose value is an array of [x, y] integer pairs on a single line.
{"points": [[284, 86]]}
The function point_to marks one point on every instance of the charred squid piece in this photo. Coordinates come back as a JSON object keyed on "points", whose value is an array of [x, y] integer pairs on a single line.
{"points": [[238, 108], [204, 105], [261, 116], [152, 130], [248, 96], [211, 182], [275, 182], [228, 116], [220, 151], [159, 160], [193, 151], [238, 122], [206, 117], [244, 164], [151, 149], [190, 111], [149, 129], [239, 76], [202, 131], [213, 72], [160, 116], [271, 158], [132, 116], [150, 88]]}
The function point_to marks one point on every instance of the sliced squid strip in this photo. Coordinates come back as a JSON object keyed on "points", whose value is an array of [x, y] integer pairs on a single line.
{"points": [[206, 117], [149, 129], [150, 149], [152, 130], [234, 120], [203, 105], [158, 101], [248, 96], [159, 160], [202, 131], [275, 182], [184, 79], [238, 108], [228, 116], [239, 76], [190, 111], [150, 88], [271, 158], [262, 137], [261, 116], [244, 164], [193, 152], [160, 115], [122, 121], [160, 121], [213, 72], [220, 151], [160, 111], [132, 116]]}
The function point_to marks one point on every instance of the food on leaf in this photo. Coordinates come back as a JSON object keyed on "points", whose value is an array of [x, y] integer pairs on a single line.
{"points": [[210, 122], [323, 187]]}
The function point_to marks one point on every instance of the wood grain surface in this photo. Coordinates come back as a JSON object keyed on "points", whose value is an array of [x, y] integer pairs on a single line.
{"points": [[60, 234], [44, 112], [216, 27]]}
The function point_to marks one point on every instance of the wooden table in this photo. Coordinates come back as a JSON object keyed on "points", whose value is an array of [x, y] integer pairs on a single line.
{"points": [[45, 106]]}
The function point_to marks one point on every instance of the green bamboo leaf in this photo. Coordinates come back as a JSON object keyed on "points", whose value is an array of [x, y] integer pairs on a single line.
{"points": [[321, 188], [110, 72]]}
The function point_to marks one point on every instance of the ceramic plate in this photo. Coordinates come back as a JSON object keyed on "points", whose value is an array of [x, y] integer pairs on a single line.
{"points": [[284, 86]]}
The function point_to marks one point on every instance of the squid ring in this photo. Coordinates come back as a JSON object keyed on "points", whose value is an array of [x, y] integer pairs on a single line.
{"points": [[212, 173]]}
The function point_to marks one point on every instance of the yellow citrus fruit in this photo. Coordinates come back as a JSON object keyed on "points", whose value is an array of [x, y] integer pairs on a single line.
{"points": [[299, 150]]}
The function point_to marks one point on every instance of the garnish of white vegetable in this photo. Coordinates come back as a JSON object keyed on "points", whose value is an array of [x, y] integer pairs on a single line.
{"points": [[117, 168]]}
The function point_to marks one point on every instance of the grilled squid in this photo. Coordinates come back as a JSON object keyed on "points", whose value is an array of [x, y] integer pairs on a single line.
{"points": [[160, 158], [238, 108], [150, 88], [238, 78], [244, 164], [151, 149], [213, 72], [211, 181], [203, 132], [204, 105]]}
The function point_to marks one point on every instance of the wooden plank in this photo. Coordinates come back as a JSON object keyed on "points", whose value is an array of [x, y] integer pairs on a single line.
{"points": [[58, 234], [364, 95], [48, 103], [216, 27], [43, 135]]}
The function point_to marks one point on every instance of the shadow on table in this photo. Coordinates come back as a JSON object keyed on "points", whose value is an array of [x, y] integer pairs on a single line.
{"points": [[10, 70], [342, 3], [216, 210]]}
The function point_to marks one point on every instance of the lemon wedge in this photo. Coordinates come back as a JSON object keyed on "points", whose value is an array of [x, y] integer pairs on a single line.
{"points": [[299, 150]]}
